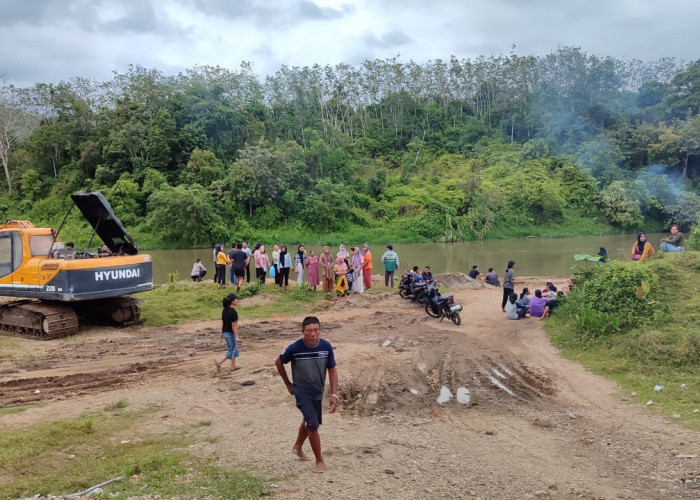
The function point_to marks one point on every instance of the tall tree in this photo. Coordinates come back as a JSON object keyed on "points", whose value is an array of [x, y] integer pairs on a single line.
{"points": [[16, 124]]}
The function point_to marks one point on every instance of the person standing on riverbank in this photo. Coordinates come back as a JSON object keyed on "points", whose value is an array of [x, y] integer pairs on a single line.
{"points": [[390, 259], [673, 243], [238, 263], [312, 269], [248, 252], [221, 262], [275, 255], [229, 331], [356, 266], [284, 262], [327, 260], [299, 261], [366, 266], [262, 264], [311, 357], [508, 283]]}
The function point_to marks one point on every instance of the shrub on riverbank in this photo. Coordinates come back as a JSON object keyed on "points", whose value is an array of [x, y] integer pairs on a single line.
{"points": [[638, 323]]}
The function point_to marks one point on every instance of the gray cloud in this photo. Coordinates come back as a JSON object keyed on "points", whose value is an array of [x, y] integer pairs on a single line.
{"points": [[390, 40], [309, 10], [53, 40]]}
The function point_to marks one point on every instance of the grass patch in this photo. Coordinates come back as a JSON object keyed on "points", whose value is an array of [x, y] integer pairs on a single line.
{"points": [[178, 303], [68, 456], [659, 348], [12, 410]]}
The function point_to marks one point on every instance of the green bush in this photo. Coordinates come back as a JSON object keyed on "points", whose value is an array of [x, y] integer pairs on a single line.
{"points": [[612, 299]]}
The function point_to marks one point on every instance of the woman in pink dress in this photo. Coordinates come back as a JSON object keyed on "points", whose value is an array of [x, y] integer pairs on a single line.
{"points": [[312, 269]]}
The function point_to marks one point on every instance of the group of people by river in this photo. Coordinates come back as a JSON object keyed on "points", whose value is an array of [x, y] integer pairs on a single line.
{"points": [[642, 249], [345, 270]]}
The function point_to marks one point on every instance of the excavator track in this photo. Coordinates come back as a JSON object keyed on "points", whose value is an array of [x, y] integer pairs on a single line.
{"points": [[122, 311], [37, 320]]}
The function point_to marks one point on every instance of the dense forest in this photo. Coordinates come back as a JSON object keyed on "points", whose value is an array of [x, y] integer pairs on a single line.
{"points": [[448, 150]]}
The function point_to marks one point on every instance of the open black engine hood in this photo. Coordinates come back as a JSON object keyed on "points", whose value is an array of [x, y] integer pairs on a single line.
{"points": [[98, 212]]}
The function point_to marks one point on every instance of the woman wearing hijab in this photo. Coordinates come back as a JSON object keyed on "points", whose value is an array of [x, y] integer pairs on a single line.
{"points": [[358, 285], [284, 262], [341, 284], [299, 260], [366, 266], [326, 260], [312, 269], [642, 248], [342, 252]]}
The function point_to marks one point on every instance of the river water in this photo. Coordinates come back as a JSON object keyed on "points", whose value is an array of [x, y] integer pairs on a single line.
{"points": [[533, 256]]}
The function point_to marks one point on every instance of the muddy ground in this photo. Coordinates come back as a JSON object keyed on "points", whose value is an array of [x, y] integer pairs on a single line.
{"points": [[536, 426]]}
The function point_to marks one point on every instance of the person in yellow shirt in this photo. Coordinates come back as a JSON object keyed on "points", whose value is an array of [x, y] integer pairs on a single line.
{"points": [[642, 248], [222, 261]]}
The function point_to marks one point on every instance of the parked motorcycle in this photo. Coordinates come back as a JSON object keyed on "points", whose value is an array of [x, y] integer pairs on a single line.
{"points": [[411, 289], [442, 306]]}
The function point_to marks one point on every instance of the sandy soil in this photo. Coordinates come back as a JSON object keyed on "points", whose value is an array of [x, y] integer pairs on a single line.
{"points": [[536, 426]]}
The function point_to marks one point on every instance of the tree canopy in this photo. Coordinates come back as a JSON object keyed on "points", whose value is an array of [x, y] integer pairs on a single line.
{"points": [[444, 150]]}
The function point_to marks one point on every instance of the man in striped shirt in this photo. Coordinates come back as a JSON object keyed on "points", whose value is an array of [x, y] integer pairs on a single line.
{"points": [[311, 356]]}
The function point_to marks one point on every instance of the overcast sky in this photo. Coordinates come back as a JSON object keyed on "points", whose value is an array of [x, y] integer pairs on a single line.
{"points": [[54, 40]]}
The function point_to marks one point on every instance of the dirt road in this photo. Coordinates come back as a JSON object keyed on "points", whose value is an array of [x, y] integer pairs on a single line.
{"points": [[535, 426]]}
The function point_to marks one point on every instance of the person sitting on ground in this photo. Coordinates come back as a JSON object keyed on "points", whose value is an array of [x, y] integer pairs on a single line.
{"points": [[675, 242], [512, 309], [475, 273], [198, 270], [427, 274], [537, 304], [603, 254], [550, 305], [642, 249], [492, 278], [551, 291], [524, 299]]}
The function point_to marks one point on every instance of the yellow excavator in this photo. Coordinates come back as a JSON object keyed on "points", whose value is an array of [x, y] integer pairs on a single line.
{"points": [[56, 285]]}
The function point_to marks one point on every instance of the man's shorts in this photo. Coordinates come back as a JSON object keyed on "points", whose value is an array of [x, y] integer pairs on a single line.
{"points": [[311, 410], [239, 272]]}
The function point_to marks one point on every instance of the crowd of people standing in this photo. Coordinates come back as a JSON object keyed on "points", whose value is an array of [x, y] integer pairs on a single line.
{"points": [[346, 270]]}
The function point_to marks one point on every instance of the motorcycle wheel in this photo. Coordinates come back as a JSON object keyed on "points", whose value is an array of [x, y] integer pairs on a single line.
{"points": [[456, 318], [402, 293], [429, 311]]}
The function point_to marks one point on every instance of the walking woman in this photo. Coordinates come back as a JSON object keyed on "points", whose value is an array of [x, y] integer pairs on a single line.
{"points": [[229, 331], [508, 283], [312, 269], [299, 260], [358, 286], [284, 262], [221, 262], [327, 261]]}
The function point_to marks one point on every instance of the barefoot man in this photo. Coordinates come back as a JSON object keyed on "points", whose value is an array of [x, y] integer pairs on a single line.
{"points": [[311, 356]]}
